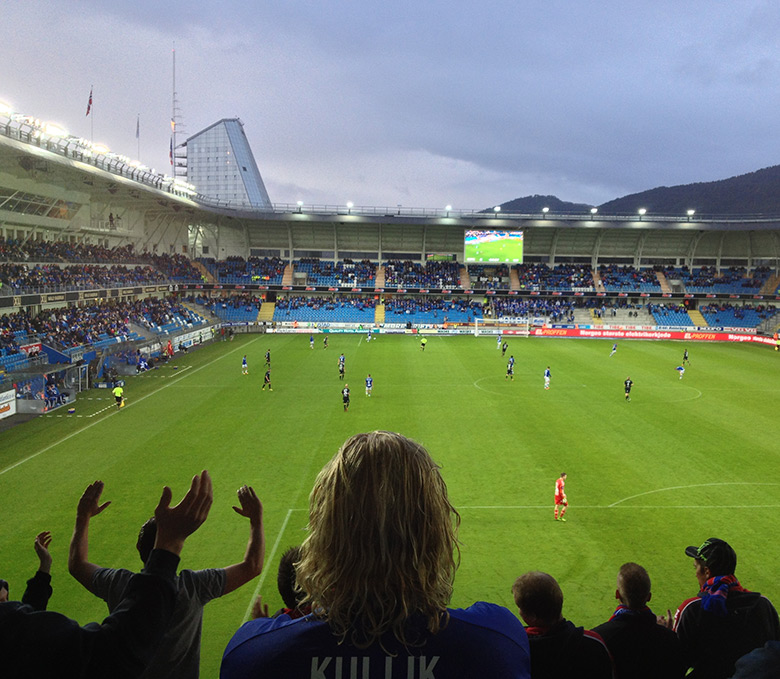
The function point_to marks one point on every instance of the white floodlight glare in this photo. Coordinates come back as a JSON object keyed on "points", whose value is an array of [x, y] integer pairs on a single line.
{"points": [[594, 210], [99, 148], [497, 209], [642, 211], [54, 130], [691, 213], [5, 109]]}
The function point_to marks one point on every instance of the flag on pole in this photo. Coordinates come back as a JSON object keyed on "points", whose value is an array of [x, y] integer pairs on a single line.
{"points": [[138, 127], [89, 103], [173, 125], [170, 153]]}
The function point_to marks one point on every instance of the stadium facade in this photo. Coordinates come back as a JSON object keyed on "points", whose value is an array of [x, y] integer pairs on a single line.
{"points": [[220, 165]]}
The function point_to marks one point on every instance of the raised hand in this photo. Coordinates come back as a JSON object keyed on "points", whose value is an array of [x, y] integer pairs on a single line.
{"points": [[41, 546], [251, 507], [89, 503], [175, 524]]}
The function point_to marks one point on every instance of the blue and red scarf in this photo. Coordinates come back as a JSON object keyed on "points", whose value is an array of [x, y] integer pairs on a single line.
{"points": [[715, 592], [625, 611]]}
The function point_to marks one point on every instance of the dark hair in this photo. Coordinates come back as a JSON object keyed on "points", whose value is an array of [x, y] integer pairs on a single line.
{"points": [[633, 583], [146, 537], [286, 580], [538, 596]]}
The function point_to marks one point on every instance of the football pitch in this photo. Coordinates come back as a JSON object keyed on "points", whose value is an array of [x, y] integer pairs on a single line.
{"points": [[683, 461]]}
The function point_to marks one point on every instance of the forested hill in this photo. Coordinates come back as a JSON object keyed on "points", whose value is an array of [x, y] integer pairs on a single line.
{"points": [[755, 193]]}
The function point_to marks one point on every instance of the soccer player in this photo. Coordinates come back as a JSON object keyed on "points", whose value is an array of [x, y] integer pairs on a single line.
{"points": [[267, 380], [244, 366], [423, 342], [628, 384], [345, 397], [512, 360], [560, 497], [510, 371], [685, 357], [614, 349], [498, 342], [504, 347], [368, 335], [325, 342], [342, 366], [369, 384], [680, 370], [311, 341], [547, 378], [268, 358], [119, 396]]}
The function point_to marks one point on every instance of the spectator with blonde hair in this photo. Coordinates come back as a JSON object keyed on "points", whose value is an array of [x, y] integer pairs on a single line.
{"points": [[377, 568]]}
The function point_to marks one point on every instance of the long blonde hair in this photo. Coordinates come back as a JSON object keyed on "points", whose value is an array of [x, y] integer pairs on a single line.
{"points": [[383, 544]]}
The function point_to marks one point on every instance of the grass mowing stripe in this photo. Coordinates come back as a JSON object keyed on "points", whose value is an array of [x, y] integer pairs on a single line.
{"points": [[176, 379]]}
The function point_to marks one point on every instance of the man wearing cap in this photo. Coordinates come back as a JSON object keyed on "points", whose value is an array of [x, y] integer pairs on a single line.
{"points": [[724, 621]]}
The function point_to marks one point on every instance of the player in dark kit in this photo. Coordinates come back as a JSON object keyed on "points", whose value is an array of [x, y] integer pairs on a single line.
{"points": [[267, 380], [268, 358], [628, 384], [685, 358], [510, 371], [345, 397], [504, 347]]}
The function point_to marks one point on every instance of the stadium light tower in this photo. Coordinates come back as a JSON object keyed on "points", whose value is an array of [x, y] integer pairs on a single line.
{"points": [[593, 212], [300, 206], [545, 210], [350, 205], [447, 209], [642, 211], [690, 214], [497, 209]]}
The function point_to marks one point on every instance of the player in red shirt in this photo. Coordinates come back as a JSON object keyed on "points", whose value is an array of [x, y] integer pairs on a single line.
{"points": [[560, 497]]}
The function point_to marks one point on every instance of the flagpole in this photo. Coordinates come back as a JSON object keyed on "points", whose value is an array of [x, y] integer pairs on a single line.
{"points": [[138, 135]]}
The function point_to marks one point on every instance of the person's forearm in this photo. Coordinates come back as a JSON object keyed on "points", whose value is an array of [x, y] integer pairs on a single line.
{"points": [[78, 552], [255, 548]]}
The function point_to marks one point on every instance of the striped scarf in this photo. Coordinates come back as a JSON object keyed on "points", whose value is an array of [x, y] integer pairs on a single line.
{"points": [[715, 592]]}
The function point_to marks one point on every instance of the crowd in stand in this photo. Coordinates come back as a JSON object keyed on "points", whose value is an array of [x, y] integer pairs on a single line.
{"points": [[346, 272], [489, 277], [326, 303], [560, 277], [557, 310], [68, 327], [23, 278], [437, 307], [57, 265], [627, 277], [415, 275], [361, 593], [252, 270]]}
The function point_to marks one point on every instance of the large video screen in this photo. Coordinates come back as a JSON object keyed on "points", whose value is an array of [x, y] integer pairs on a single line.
{"points": [[493, 247]]}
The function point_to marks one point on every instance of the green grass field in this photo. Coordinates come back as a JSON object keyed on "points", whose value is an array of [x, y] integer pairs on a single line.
{"points": [[685, 460]]}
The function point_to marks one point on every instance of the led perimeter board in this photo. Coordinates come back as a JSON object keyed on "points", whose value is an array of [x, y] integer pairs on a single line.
{"points": [[493, 247]]}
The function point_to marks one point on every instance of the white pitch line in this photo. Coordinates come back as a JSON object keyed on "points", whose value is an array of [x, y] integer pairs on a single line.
{"points": [[103, 419], [268, 558], [695, 485]]}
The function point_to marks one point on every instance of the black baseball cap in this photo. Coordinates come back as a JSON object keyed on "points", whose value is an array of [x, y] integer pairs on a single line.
{"points": [[716, 554]]}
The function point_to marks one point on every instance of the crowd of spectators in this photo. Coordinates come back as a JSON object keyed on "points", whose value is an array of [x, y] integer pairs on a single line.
{"points": [[75, 326], [344, 273], [335, 609], [410, 274], [562, 277], [557, 310], [735, 279], [438, 310], [32, 278], [617, 278], [237, 270], [489, 277], [324, 303]]}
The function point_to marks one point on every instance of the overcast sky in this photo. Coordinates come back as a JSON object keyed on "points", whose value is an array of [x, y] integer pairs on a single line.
{"points": [[415, 103]]}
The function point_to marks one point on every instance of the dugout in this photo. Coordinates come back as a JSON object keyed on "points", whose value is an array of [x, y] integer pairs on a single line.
{"points": [[34, 392]]}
